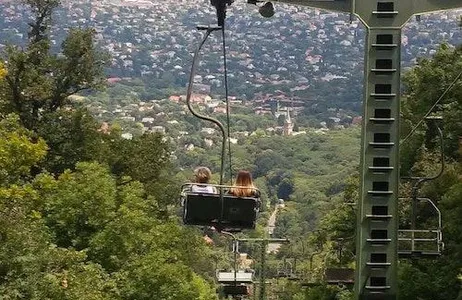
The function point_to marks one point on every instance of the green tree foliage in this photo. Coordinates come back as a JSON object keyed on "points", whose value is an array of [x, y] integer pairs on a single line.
{"points": [[86, 210], [425, 84], [145, 158], [42, 10], [324, 293], [119, 228], [2, 70], [422, 279], [153, 278], [38, 84], [38, 81], [452, 206], [80, 209], [78, 204], [31, 266], [71, 136], [18, 152]]}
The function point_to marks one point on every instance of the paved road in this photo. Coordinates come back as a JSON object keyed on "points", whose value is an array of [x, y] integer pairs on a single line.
{"points": [[273, 247], [272, 221]]}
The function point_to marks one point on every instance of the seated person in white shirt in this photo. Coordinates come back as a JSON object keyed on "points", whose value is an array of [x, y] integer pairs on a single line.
{"points": [[202, 176]]}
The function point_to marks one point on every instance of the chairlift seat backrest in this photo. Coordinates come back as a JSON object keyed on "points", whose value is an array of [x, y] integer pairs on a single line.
{"points": [[201, 209], [235, 290], [241, 277], [340, 275], [240, 211], [205, 210]]}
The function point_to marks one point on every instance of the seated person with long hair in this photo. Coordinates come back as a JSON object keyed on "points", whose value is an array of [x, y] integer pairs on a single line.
{"points": [[243, 186], [202, 177]]}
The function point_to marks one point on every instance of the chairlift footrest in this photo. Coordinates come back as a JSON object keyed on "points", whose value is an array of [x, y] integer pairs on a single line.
{"points": [[418, 254]]}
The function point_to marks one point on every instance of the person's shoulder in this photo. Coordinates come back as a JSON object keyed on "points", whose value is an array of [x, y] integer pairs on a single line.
{"points": [[194, 187]]}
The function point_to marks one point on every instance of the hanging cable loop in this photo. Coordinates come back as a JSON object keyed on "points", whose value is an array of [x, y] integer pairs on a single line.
{"points": [[225, 67], [209, 30], [453, 83]]}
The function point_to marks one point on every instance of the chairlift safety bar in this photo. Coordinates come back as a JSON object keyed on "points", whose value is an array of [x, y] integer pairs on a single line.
{"points": [[220, 187]]}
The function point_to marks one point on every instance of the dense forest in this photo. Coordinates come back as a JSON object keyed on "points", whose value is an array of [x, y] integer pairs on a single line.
{"points": [[86, 214]]}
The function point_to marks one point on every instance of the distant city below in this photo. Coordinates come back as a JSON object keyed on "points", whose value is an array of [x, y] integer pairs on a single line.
{"points": [[301, 53]]}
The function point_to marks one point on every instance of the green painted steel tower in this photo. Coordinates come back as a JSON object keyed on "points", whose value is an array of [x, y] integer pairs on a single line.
{"points": [[377, 218]]}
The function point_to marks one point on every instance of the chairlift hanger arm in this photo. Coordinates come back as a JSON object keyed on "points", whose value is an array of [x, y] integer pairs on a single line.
{"points": [[285, 241], [220, 6], [440, 135], [421, 180], [208, 31]]}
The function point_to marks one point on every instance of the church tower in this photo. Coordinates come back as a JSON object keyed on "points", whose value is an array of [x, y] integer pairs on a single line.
{"points": [[288, 124]]}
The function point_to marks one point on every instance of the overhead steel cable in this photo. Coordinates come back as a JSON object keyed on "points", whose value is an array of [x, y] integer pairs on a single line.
{"points": [[220, 6], [431, 108], [227, 104]]}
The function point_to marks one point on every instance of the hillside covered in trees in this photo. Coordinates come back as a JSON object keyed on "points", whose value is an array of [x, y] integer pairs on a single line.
{"points": [[87, 214]]}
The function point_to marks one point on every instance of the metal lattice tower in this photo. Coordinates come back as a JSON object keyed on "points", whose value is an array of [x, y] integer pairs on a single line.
{"points": [[377, 216]]}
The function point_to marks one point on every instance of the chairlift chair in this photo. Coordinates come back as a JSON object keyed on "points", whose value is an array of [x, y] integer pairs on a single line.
{"points": [[222, 211], [284, 269], [339, 275], [294, 276], [334, 276], [235, 282], [297, 274], [235, 290], [421, 242]]}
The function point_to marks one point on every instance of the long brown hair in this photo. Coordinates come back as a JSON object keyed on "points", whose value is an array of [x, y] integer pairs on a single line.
{"points": [[243, 186]]}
